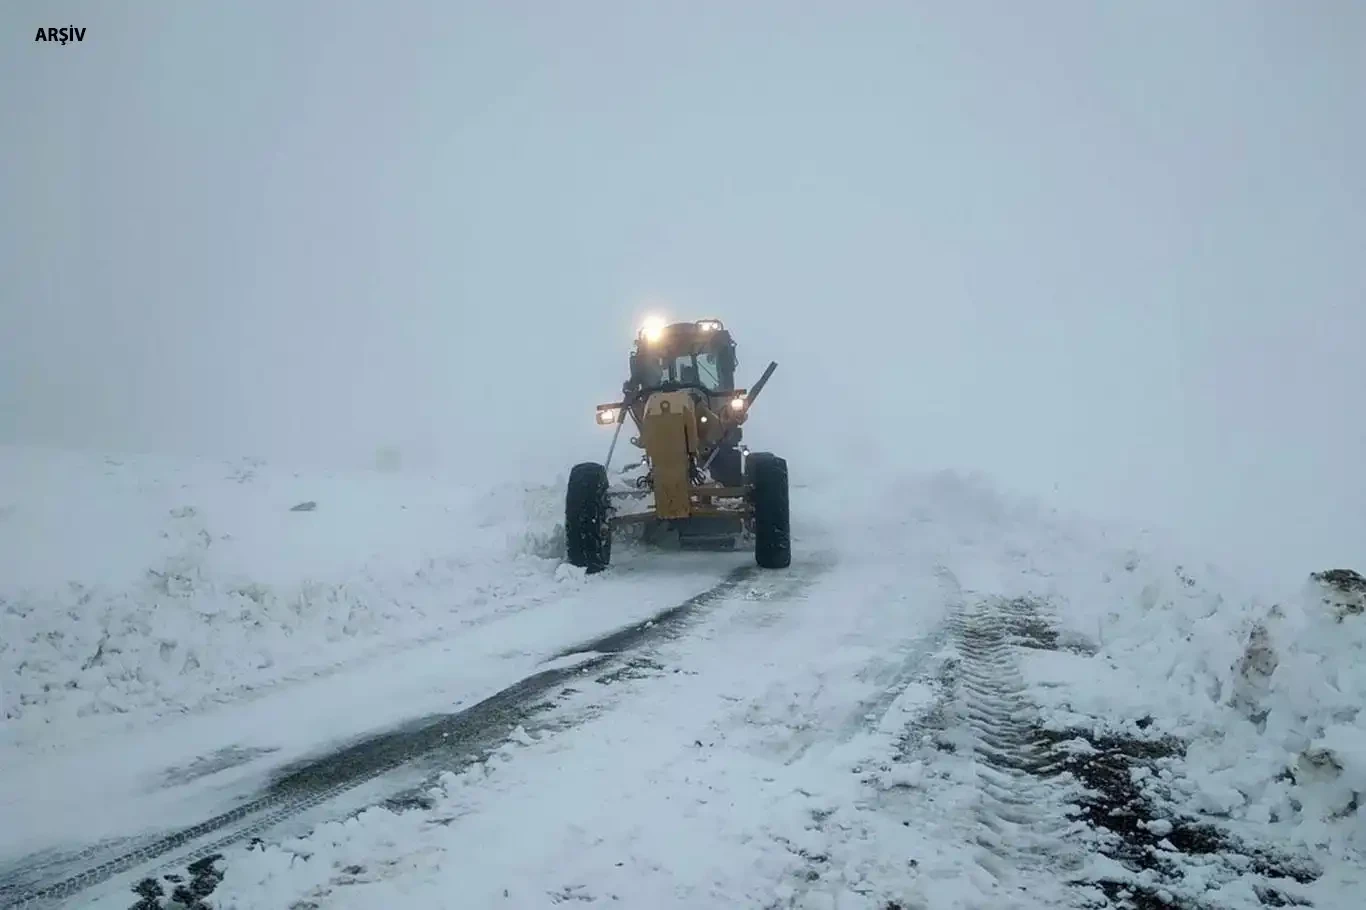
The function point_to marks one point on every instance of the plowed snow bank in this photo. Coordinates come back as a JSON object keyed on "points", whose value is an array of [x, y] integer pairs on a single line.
{"points": [[139, 585], [1264, 686]]}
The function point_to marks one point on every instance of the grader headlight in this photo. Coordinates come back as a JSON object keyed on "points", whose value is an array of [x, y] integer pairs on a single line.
{"points": [[652, 329], [608, 416]]}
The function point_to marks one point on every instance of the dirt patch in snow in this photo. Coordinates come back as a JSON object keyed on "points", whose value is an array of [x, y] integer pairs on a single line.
{"points": [[1124, 799], [1345, 591], [187, 892]]}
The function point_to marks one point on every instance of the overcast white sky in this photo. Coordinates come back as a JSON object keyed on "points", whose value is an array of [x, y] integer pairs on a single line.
{"points": [[1107, 253]]}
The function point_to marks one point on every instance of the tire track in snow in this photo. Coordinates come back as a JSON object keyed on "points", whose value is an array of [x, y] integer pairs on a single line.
{"points": [[971, 705], [892, 678], [1020, 813], [890, 675], [1081, 818], [458, 738]]}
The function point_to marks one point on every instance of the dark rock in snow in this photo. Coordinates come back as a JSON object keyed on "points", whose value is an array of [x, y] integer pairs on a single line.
{"points": [[1345, 591]]}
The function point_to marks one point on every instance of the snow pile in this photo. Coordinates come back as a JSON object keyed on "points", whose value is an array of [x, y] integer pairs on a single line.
{"points": [[149, 585], [1266, 691], [1302, 686], [1178, 630]]}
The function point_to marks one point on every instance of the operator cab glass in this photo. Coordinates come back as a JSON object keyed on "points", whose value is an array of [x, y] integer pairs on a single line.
{"points": [[685, 370], [698, 369], [684, 356]]}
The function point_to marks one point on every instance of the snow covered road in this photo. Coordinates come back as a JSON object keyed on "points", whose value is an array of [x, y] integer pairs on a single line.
{"points": [[286, 750], [965, 702]]}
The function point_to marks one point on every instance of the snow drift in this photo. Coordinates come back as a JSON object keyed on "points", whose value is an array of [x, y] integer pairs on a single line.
{"points": [[1300, 688], [137, 586], [1264, 687]]}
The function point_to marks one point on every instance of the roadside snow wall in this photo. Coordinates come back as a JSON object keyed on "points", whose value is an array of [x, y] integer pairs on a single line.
{"points": [[135, 586]]}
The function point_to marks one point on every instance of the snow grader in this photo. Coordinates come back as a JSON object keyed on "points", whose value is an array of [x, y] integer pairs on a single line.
{"points": [[695, 483]]}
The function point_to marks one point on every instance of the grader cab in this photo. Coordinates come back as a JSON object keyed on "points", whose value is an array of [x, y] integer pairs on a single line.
{"points": [[696, 481]]}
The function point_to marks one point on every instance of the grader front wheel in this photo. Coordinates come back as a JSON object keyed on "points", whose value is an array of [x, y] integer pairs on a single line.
{"points": [[587, 529], [767, 483]]}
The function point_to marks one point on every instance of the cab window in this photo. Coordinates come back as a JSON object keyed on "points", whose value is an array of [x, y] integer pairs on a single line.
{"points": [[701, 369]]}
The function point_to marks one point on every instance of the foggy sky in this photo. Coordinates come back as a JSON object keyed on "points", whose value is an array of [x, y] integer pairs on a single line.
{"points": [[1108, 254]]}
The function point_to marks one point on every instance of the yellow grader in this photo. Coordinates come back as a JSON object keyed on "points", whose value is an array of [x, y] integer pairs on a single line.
{"points": [[698, 482]]}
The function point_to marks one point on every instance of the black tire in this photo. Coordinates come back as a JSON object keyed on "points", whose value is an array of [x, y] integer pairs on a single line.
{"points": [[772, 526], [751, 459], [726, 468], [587, 531]]}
